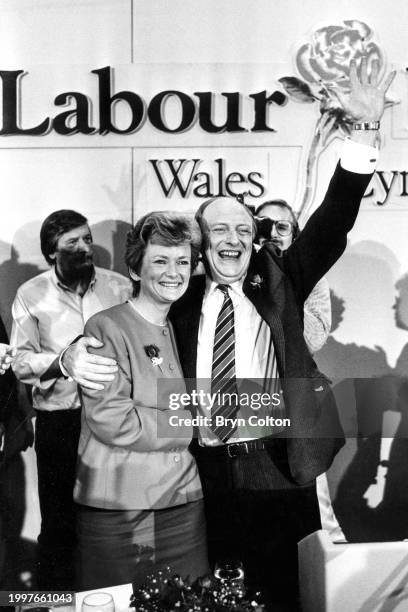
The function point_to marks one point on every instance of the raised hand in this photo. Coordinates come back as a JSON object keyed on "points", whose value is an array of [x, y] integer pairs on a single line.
{"points": [[366, 99]]}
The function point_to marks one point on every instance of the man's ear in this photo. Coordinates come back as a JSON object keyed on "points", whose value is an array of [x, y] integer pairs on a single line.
{"points": [[52, 255], [133, 275]]}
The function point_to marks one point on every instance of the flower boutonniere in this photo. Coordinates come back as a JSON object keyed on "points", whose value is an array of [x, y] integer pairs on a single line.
{"points": [[153, 352], [256, 282]]}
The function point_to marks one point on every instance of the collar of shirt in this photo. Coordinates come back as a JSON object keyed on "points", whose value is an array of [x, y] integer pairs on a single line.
{"points": [[235, 290], [57, 281]]}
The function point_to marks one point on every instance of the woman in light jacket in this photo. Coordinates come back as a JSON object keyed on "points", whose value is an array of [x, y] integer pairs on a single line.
{"points": [[137, 488]]}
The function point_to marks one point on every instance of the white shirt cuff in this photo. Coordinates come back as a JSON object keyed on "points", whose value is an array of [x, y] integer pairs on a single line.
{"points": [[358, 158]]}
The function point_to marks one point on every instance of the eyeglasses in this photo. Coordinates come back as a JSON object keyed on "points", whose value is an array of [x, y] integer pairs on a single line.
{"points": [[284, 228]]}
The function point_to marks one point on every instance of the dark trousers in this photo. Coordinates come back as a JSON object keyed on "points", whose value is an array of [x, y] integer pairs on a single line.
{"points": [[56, 445], [255, 513]]}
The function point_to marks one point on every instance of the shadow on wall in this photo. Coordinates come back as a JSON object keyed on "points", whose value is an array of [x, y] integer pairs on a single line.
{"points": [[365, 332], [368, 478], [13, 273], [113, 233]]}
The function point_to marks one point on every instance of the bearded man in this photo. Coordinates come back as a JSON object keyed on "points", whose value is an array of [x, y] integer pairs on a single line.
{"points": [[49, 312]]}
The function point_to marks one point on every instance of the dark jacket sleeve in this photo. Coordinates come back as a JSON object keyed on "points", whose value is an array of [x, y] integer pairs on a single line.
{"points": [[324, 237], [7, 383], [15, 418]]}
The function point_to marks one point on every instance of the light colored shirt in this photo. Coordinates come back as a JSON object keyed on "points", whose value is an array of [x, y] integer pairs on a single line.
{"points": [[47, 317], [254, 352], [317, 316]]}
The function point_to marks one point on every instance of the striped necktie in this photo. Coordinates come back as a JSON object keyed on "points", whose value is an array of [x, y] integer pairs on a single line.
{"points": [[223, 378]]}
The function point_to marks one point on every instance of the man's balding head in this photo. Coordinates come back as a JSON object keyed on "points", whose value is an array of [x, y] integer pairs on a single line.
{"points": [[228, 230]]}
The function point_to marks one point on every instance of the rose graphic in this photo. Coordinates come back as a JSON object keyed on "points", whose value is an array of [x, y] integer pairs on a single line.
{"points": [[152, 350], [256, 281], [325, 65], [328, 57]]}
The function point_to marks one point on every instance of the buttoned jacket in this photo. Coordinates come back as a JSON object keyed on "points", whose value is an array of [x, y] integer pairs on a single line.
{"points": [[129, 456]]}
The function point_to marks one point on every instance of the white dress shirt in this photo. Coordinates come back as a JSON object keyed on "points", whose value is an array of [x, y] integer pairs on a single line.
{"points": [[254, 353]]}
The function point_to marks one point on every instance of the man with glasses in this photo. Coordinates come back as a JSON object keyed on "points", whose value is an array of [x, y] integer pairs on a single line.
{"points": [[282, 228]]}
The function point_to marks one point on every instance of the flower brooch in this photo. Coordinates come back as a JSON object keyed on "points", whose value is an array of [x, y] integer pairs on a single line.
{"points": [[256, 282], [153, 352]]}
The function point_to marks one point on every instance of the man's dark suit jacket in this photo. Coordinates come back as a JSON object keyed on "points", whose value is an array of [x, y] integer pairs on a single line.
{"points": [[286, 280], [7, 384]]}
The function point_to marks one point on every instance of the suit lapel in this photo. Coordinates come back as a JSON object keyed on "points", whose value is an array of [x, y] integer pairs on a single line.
{"points": [[267, 307], [191, 339], [185, 316]]}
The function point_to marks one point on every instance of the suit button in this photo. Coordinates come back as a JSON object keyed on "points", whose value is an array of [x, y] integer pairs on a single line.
{"points": [[165, 331], [171, 366], [177, 458]]}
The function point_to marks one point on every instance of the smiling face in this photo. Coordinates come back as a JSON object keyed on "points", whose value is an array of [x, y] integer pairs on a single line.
{"points": [[278, 213], [165, 272], [229, 240]]}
